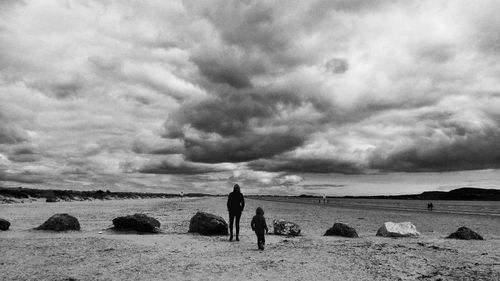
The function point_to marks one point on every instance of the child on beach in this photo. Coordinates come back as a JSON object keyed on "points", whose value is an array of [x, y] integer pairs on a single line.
{"points": [[258, 225]]}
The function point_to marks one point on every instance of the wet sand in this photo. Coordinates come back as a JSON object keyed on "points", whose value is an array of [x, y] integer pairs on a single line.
{"points": [[176, 255]]}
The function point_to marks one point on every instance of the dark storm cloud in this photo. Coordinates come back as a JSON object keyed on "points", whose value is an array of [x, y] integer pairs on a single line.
{"points": [[465, 152], [305, 165], [11, 134], [231, 113], [247, 24], [24, 154], [144, 147], [10, 131], [245, 147], [181, 168], [259, 30], [236, 117], [449, 143], [219, 71], [62, 90], [228, 124], [25, 177]]}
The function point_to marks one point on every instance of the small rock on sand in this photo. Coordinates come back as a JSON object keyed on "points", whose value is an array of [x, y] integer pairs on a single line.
{"points": [[60, 222], [4, 224], [208, 224], [341, 229], [401, 229], [283, 227], [137, 222], [465, 233]]}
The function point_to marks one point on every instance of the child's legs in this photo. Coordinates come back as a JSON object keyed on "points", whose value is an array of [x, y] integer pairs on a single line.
{"points": [[260, 238]]}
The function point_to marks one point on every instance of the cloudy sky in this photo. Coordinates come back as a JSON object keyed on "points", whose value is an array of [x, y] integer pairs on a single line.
{"points": [[320, 96]]}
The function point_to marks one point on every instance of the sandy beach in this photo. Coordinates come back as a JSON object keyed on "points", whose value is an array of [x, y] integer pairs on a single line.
{"points": [[174, 254]]}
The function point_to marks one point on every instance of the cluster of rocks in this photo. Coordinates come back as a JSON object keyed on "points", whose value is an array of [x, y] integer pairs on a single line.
{"points": [[388, 229], [401, 229], [203, 223], [65, 222], [210, 224]]}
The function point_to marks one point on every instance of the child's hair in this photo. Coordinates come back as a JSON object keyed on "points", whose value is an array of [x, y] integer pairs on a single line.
{"points": [[259, 211]]}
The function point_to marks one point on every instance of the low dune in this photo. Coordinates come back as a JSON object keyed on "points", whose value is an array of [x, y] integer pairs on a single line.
{"points": [[98, 253]]}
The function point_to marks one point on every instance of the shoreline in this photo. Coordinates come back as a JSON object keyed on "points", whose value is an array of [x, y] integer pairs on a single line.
{"points": [[387, 208]]}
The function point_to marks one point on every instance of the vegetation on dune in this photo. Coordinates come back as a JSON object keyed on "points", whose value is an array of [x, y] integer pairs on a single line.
{"points": [[53, 195]]}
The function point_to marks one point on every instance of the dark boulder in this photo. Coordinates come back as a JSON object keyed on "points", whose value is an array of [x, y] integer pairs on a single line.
{"points": [[208, 224], [137, 222], [283, 227], [60, 222], [340, 229], [4, 224], [465, 233], [51, 199]]}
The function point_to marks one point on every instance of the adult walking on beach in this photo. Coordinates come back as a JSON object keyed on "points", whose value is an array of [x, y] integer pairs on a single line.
{"points": [[235, 205]]}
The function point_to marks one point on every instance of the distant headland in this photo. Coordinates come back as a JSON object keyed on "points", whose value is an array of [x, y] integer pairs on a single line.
{"points": [[464, 193]]}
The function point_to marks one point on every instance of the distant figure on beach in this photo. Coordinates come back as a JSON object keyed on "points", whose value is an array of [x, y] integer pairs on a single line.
{"points": [[258, 225], [235, 205], [182, 195], [430, 206]]}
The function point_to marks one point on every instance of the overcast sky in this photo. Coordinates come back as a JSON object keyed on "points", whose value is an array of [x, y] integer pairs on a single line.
{"points": [[279, 96]]}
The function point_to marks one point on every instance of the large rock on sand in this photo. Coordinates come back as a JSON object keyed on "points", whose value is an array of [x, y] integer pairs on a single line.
{"points": [[60, 222], [465, 233], [401, 229], [208, 224], [341, 229], [4, 224], [137, 222], [283, 227]]}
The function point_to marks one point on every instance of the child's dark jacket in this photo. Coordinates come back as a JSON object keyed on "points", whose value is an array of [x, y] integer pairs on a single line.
{"points": [[259, 224]]}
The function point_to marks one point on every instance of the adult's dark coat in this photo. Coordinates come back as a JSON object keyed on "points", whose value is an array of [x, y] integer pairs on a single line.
{"points": [[235, 202]]}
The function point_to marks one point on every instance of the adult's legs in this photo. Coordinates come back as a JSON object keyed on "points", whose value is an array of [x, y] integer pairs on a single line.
{"points": [[231, 220], [238, 216]]}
